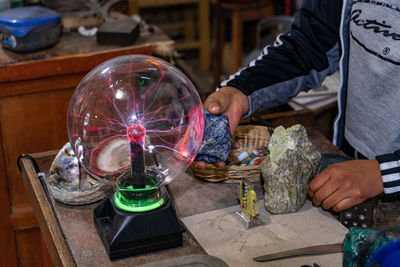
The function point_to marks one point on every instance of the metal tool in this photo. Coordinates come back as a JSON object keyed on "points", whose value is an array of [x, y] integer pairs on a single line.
{"points": [[313, 250]]}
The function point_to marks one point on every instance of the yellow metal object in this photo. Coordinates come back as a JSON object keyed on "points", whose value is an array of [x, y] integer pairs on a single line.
{"points": [[251, 203], [248, 200]]}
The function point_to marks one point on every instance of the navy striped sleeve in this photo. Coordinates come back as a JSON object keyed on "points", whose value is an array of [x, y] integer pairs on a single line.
{"points": [[298, 60], [390, 171]]}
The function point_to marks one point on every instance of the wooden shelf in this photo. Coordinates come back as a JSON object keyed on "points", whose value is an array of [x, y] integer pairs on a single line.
{"points": [[203, 10]]}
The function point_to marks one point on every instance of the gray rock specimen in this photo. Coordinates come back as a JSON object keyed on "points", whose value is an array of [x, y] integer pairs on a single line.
{"points": [[286, 171]]}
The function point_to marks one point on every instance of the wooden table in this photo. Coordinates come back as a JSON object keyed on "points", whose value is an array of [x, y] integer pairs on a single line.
{"points": [[73, 240], [35, 90]]}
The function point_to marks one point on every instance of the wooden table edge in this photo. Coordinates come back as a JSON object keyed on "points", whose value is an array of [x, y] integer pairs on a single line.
{"points": [[56, 244]]}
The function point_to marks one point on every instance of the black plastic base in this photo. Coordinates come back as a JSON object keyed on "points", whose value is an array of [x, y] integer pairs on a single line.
{"points": [[127, 234]]}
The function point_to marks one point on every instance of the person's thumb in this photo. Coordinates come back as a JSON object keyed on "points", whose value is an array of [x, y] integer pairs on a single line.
{"points": [[215, 103], [214, 108]]}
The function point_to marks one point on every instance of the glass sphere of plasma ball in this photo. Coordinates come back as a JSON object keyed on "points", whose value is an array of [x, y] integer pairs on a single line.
{"points": [[135, 102]]}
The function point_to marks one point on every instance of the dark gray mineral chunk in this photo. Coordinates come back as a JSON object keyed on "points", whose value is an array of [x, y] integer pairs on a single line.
{"points": [[217, 139], [287, 170]]}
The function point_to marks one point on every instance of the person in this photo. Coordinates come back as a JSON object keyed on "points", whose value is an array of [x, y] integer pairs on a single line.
{"points": [[361, 38]]}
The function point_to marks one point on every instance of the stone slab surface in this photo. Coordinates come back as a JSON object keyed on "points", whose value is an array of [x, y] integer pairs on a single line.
{"points": [[221, 234]]}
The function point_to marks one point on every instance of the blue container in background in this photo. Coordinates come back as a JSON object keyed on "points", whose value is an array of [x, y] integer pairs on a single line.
{"points": [[26, 29]]}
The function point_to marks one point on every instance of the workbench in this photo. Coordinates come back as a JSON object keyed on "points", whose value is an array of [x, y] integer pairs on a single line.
{"points": [[35, 90], [73, 240]]}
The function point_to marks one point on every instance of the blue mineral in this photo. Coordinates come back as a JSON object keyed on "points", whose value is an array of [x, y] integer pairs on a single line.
{"points": [[217, 139], [360, 244]]}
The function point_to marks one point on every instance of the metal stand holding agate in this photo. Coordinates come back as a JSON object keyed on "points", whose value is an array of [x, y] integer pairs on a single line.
{"points": [[68, 183], [250, 206], [286, 171]]}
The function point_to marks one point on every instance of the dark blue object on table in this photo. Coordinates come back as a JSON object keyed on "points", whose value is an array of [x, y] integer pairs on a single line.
{"points": [[217, 139], [386, 256]]}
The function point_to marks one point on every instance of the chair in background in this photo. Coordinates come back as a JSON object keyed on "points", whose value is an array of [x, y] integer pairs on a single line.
{"points": [[267, 31], [203, 9], [238, 13]]}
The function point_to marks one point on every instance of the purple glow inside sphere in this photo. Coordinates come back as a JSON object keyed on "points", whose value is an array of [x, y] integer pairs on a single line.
{"points": [[135, 98]]}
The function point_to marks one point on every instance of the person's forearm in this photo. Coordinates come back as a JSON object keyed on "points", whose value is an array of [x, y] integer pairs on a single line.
{"points": [[299, 60]]}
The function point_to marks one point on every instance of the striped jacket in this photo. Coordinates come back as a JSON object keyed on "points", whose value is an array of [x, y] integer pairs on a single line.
{"points": [[315, 47]]}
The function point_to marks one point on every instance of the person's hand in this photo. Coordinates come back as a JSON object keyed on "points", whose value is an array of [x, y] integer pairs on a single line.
{"points": [[230, 102], [346, 184]]}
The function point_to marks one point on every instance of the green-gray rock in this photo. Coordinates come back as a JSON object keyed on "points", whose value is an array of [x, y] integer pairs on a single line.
{"points": [[286, 171]]}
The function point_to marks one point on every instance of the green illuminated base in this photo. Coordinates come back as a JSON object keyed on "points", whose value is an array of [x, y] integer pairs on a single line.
{"points": [[127, 233], [136, 205], [134, 196]]}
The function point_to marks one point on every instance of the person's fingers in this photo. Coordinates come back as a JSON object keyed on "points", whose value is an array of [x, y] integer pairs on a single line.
{"points": [[225, 99], [346, 204], [235, 145], [219, 164], [330, 201], [214, 108], [203, 165], [200, 165], [343, 185], [324, 192], [216, 103], [233, 123], [319, 180]]}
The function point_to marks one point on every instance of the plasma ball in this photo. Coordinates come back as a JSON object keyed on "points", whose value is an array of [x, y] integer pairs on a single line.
{"points": [[136, 133]]}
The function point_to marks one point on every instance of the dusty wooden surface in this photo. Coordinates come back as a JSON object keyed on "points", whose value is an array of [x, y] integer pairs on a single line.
{"points": [[73, 53], [58, 248], [192, 196], [73, 44]]}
